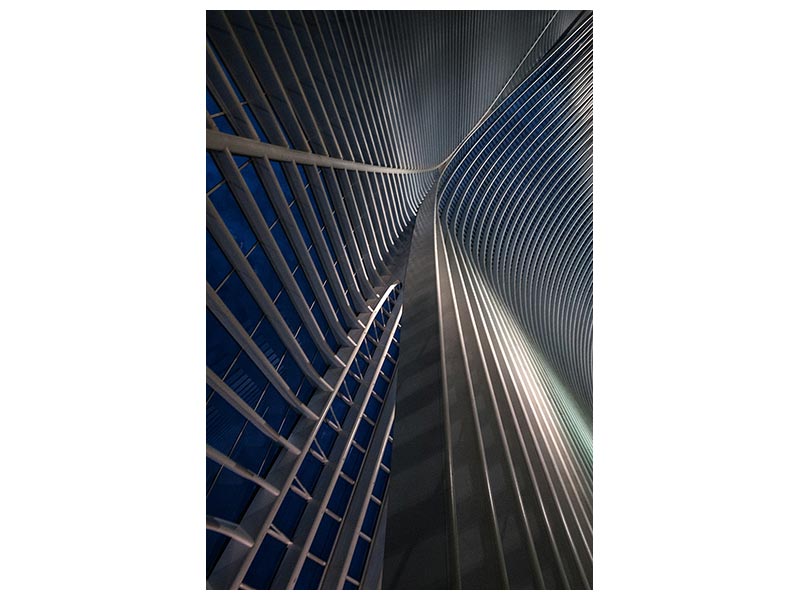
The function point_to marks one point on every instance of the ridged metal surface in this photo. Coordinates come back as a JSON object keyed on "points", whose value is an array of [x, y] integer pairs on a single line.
{"points": [[325, 132], [517, 200], [503, 396]]}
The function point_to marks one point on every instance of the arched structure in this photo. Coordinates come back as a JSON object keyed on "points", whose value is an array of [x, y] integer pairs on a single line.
{"points": [[375, 173]]}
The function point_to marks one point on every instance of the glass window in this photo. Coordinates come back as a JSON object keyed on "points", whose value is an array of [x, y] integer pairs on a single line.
{"points": [[359, 559], [268, 342], [371, 518], [265, 564], [238, 299], [232, 216], [224, 125], [263, 268], [288, 312], [310, 576], [221, 348], [259, 194], [325, 437], [352, 463], [340, 409], [251, 448], [288, 515], [380, 484], [279, 174], [363, 434], [309, 472], [213, 176], [223, 424], [373, 408], [273, 408], [247, 380], [261, 135], [230, 496], [340, 497], [211, 105], [326, 535], [217, 266]]}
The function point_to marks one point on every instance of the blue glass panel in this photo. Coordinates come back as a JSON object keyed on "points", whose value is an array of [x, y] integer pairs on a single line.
{"points": [[350, 385], [349, 586], [388, 369], [301, 224], [306, 391], [363, 434], [240, 160], [223, 424], [318, 266], [224, 125], [340, 497], [268, 342], [236, 297], [288, 312], [287, 191], [263, 268], [217, 266], [285, 134], [305, 287], [289, 513], [251, 448], [233, 218], [212, 470], [306, 342], [331, 340], [211, 105], [291, 373], [289, 421], [284, 246], [309, 472], [215, 545], [269, 459], [213, 176], [340, 409], [371, 518], [246, 380], [352, 463], [230, 496], [310, 576], [380, 484], [373, 408], [325, 437], [326, 534], [386, 460], [303, 176], [273, 408], [260, 195], [261, 135], [221, 348], [318, 362], [265, 563], [359, 559], [362, 364], [381, 385], [314, 205], [319, 317]]}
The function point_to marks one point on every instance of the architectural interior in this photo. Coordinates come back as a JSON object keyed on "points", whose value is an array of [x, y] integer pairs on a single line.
{"points": [[399, 300]]}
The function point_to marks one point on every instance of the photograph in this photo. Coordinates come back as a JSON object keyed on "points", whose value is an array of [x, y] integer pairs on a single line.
{"points": [[399, 280]]}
